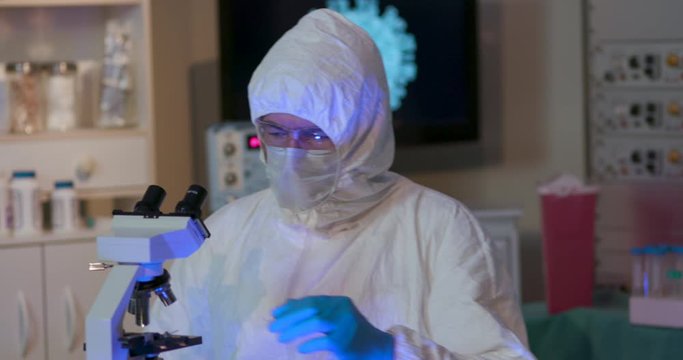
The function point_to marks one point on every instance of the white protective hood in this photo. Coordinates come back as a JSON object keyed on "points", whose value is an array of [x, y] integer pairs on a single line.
{"points": [[328, 71]]}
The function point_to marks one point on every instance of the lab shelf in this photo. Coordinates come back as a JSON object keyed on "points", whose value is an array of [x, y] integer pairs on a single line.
{"points": [[102, 226], [47, 237], [73, 134], [60, 3]]}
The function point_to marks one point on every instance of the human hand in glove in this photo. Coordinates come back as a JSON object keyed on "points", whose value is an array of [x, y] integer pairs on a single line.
{"points": [[344, 330]]}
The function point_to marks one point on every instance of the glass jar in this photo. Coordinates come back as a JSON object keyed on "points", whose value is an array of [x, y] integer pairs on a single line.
{"points": [[26, 99], [116, 100], [61, 96]]}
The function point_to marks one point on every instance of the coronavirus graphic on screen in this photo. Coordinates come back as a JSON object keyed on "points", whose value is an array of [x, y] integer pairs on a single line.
{"points": [[396, 45]]}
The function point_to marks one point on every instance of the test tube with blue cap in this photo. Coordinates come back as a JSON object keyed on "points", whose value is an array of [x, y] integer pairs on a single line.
{"points": [[637, 271], [653, 279], [675, 273]]}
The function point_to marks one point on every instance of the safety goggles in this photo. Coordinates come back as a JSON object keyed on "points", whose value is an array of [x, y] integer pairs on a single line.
{"points": [[305, 138]]}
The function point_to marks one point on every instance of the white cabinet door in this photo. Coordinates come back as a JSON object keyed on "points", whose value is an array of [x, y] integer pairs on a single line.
{"points": [[21, 304], [70, 291]]}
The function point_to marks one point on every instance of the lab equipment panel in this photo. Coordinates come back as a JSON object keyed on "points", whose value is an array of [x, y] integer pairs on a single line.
{"points": [[634, 98], [618, 159], [235, 167], [637, 63], [644, 112]]}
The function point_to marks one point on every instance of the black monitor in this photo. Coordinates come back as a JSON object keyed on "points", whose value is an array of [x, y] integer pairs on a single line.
{"points": [[441, 123]]}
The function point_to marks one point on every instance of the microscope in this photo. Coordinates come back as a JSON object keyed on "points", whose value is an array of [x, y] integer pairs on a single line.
{"points": [[140, 242]]}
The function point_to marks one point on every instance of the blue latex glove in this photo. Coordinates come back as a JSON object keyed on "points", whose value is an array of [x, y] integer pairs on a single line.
{"points": [[344, 330]]}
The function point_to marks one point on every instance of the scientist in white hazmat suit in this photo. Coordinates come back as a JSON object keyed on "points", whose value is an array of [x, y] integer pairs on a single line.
{"points": [[340, 258]]}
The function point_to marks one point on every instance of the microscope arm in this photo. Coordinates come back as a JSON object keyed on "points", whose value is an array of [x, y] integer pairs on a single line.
{"points": [[104, 322]]}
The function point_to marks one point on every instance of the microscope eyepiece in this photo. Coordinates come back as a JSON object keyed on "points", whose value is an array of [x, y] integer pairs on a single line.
{"points": [[151, 201], [191, 204]]}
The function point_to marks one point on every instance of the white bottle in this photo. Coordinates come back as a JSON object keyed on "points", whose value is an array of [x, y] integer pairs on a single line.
{"points": [[27, 215], [64, 207]]}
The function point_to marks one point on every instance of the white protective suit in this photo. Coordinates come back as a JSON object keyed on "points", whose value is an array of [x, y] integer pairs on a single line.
{"points": [[415, 262]]}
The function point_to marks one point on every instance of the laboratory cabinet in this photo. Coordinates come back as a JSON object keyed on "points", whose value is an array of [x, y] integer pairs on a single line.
{"points": [[47, 292]]}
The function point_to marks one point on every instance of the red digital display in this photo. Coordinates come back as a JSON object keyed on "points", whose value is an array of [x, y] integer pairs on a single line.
{"points": [[253, 142]]}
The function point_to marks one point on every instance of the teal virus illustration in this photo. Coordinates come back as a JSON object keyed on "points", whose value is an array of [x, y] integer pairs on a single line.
{"points": [[396, 46]]}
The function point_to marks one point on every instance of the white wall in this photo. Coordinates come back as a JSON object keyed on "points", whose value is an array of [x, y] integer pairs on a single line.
{"points": [[204, 30], [543, 119]]}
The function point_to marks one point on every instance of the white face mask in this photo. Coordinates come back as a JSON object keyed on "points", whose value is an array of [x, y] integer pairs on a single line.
{"points": [[301, 179]]}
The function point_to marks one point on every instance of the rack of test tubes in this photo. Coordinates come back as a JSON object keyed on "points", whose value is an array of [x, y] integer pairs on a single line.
{"points": [[657, 286]]}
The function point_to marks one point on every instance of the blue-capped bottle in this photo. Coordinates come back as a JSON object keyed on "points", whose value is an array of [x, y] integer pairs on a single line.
{"points": [[64, 207], [27, 214]]}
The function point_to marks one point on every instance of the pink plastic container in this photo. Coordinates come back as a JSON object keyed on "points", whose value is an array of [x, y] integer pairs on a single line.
{"points": [[568, 250]]}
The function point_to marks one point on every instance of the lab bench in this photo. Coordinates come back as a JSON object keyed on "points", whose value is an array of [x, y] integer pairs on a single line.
{"points": [[598, 333]]}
